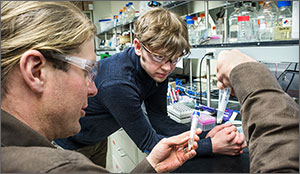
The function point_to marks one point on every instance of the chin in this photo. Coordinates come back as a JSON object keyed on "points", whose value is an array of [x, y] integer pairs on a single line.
{"points": [[159, 80]]}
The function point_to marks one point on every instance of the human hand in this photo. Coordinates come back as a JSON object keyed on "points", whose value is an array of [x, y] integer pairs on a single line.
{"points": [[228, 141], [227, 60], [170, 153], [216, 129]]}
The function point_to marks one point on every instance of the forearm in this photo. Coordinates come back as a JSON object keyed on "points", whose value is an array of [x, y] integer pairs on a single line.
{"points": [[270, 119]]}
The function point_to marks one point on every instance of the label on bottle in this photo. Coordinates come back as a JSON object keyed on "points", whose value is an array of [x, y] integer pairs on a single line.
{"points": [[287, 22], [233, 28], [243, 18]]}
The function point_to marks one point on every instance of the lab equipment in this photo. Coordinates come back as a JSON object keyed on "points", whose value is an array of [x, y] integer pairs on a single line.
{"points": [[224, 95], [206, 122], [194, 123], [180, 112]]}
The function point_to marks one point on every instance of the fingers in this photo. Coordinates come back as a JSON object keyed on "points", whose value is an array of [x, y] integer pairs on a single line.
{"points": [[231, 136], [182, 138], [241, 139], [198, 131], [226, 125]]}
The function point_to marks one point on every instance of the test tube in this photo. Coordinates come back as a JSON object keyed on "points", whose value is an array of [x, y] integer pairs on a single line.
{"points": [[224, 95], [194, 124]]}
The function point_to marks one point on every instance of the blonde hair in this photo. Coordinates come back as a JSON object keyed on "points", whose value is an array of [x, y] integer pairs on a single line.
{"points": [[36, 25], [160, 29]]}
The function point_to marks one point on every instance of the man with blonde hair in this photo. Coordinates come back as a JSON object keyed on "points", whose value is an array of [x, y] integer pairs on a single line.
{"points": [[139, 75], [48, 70]]}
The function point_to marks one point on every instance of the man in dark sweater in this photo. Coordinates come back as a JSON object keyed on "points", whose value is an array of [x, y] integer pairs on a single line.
{"points": [[139, 75], [45, 83]]}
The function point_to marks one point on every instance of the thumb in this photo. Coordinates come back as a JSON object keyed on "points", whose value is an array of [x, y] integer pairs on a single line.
{"points": [[179, 139]]}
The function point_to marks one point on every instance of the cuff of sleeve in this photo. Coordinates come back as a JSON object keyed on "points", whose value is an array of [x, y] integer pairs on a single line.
{"points": [[144, 167], [203, 134], [249, 77], [204, 147]]}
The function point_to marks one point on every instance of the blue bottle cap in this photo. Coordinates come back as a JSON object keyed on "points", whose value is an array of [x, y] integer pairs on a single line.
{"points": [[190, 22], [283, 3], [188, 17]]}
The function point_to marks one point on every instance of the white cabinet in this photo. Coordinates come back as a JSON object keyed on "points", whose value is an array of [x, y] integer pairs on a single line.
{"points": [[123, 155]]}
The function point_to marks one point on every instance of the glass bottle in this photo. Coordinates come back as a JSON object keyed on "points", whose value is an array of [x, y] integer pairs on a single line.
{"points": [[233, 23], [120, 22], [266, 18], [201, 26], [254, 21], [124, 15], [245, 23], [283, 27], [191, 30], [131, 11]]}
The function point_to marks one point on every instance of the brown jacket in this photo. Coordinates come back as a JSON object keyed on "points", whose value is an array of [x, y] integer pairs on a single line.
{"points": [[25, 151], [270, 119]]}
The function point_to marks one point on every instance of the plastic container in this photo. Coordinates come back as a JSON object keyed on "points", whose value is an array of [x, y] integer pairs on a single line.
{"points": [[106, 24], [206, 122]]}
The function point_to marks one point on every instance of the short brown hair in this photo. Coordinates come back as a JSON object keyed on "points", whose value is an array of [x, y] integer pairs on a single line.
{"points": [[36, 25], [162, 29]]}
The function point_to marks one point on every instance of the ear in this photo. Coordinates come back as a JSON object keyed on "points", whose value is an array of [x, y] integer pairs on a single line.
{"points": [[137, 47], [32, 67]]}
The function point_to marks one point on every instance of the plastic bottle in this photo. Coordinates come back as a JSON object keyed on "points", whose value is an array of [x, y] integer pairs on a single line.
{"points": [[267, 16], [233, 23], [283, 27], [245, 23]]}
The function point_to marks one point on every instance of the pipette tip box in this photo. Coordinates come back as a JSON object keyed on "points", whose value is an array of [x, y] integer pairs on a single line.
{"points": [[206, 122]]}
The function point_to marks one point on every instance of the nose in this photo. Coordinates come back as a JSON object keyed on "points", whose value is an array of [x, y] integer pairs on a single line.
{"points": [[92, 89], [167, 66]]}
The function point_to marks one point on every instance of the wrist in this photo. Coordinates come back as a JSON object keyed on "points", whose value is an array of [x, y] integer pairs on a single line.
{"points": [[156, 166]]}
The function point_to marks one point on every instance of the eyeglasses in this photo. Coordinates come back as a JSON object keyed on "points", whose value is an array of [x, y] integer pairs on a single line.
{"points": [[159, 58], [91, 66]]}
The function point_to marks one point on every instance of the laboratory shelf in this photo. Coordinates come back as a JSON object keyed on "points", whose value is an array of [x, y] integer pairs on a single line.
{"points": [[174, 4], [269, 51]]}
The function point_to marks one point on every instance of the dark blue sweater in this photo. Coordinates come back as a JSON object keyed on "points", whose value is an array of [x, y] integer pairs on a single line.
{"points": [[123, 86]]}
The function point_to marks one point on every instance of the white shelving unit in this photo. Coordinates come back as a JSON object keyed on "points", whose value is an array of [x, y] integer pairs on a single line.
{"points": [[123, 155]]}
